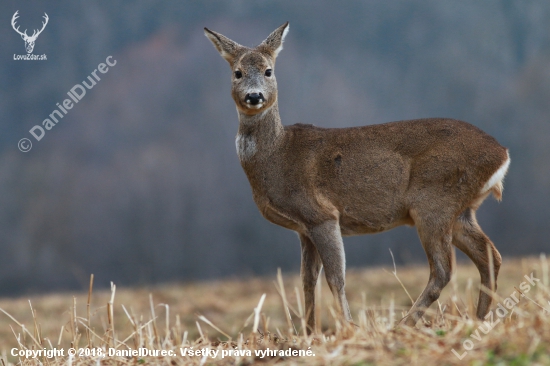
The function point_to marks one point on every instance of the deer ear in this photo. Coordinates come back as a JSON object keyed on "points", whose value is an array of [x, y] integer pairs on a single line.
{"points": [[274, 43], [226, 47]]}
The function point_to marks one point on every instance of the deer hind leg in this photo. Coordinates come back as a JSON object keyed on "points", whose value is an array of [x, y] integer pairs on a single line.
{"points": [[437, 245], [311, 266], [327, 238], [470, 239]]}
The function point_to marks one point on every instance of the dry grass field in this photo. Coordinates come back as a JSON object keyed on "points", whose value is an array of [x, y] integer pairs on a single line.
{"points": [[230, 318]]}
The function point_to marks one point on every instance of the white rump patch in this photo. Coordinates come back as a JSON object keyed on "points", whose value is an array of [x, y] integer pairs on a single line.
{"points": [[497, 177], [246, 146]]}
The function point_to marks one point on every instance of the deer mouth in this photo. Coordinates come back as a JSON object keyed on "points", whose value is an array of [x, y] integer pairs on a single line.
{"points": [[254, 106]]}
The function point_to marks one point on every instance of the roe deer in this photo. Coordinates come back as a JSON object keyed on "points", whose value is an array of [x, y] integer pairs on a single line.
{"points": [[325, 183]]}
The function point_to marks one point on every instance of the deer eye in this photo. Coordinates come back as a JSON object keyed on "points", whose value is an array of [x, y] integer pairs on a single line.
{"points": [[268, 72], [238, 74]]}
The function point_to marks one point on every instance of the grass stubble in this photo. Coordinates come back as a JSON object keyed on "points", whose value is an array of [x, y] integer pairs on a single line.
{"points": [[259, 314]]}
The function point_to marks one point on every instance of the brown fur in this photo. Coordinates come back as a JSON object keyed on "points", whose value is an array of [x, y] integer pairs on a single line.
{"points": [[327, 182]]}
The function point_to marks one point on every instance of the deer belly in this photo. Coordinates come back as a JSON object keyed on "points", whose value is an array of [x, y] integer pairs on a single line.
{"points": [[358, 226]]}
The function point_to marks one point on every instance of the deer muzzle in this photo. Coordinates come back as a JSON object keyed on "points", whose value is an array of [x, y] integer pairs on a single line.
{"points": [[254, 98]]}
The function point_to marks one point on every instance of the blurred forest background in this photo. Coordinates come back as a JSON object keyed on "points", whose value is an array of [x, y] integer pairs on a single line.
{"points": [[140, 183]]}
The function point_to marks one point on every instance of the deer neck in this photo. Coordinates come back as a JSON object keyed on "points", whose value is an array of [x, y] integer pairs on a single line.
{"points": [[259, 135]]}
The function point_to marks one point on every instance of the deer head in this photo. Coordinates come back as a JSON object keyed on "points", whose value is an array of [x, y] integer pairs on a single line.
{"points": [[29, 40], [254, 87]]}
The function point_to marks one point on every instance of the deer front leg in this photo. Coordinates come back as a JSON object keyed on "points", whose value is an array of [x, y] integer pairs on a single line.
{"points": [[327, 238], [311, 266]]}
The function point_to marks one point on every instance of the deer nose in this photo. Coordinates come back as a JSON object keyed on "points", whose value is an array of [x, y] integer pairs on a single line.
{"points": [[254, 98]]}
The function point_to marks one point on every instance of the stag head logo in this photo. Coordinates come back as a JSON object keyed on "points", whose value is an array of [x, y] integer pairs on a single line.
{"points": [[29, 40]]}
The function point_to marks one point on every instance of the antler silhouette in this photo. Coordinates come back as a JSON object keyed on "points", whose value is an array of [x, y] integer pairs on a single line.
{"points": [[35, 34], [29, 40], [13, 19]]}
